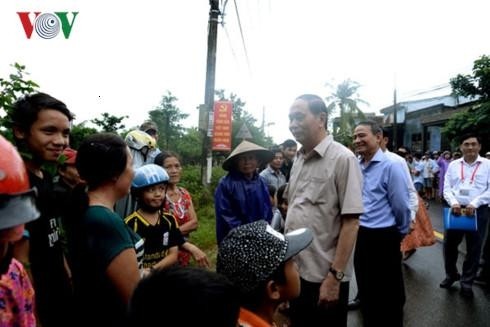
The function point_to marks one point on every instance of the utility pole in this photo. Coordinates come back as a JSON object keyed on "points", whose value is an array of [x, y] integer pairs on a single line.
{"points": [[207, 154], [395, 133]]}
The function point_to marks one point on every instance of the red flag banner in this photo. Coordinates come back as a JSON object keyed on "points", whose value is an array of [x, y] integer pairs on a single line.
{"points": [[222, 126]]}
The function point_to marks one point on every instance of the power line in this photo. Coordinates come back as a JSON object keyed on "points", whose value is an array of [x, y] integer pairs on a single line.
{"points": [[223, 7], [241, 34], [425, 91], [229, 42]]}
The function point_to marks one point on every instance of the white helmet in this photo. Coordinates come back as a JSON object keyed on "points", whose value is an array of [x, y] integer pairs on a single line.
{"points": [[138, 140]]}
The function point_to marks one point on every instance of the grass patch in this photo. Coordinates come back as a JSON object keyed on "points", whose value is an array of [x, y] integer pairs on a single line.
{"points": [[203, 198]]}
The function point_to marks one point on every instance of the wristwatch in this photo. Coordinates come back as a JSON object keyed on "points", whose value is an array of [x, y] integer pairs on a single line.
{"points": [[337, 274]]}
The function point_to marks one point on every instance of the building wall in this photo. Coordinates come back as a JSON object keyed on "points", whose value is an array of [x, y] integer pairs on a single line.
{"points": [[433, 138], [413, 134], [422, 121]]}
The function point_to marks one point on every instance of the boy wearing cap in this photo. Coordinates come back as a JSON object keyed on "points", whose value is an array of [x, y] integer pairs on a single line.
{"points": [[258, 260], [242, 196]]}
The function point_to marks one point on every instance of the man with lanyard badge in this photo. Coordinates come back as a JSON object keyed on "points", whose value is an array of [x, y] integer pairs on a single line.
{"points": [[466, 185]]}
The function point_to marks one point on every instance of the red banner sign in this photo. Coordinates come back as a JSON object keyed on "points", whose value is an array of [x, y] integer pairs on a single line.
{"points": [[222, 126]]}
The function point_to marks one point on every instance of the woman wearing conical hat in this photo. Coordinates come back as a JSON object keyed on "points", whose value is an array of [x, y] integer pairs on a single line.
{"points": [[242, 196]]}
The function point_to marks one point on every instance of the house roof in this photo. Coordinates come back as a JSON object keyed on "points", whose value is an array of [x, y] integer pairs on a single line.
{"points": [[415, 105], [441, 117]]}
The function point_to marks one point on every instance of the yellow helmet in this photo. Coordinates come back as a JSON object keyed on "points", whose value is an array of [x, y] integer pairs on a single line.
{"points": [[138, 140]]}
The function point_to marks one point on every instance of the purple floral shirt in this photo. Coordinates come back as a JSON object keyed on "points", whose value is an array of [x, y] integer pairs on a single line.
{"points": [[443, 164], [16, 298]]}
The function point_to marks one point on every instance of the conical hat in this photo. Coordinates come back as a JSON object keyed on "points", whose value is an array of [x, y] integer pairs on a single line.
{"points": [[262, 154]]}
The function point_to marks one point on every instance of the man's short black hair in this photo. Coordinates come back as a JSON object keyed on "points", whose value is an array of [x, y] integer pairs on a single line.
{"points": [[466, 136], [316, 105], [386, 132], [26, 109], [272, 190], [374, 126], [211, 297], [289, 143]]}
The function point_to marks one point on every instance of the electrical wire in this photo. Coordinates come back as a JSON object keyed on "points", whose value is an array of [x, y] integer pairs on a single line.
{"points": [[243, 38], [223, 7], [223, 25], [425, 91], [229, 43]]}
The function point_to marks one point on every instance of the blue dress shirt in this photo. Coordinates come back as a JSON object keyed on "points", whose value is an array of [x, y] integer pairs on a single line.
{"points": [[385, 195]]}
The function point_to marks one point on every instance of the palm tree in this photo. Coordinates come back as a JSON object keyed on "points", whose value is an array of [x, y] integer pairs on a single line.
{"points": [[346, 99]]}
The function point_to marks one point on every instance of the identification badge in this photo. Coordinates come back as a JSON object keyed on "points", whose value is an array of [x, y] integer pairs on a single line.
{"points": [[464, 192]]}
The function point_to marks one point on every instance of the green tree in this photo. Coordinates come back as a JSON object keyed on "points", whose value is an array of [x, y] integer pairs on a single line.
{"points": [[345, 98], [187, 149], [477, 118], [11, 89], [78, 133], [239, 117], [167, 116], [109, 123]]}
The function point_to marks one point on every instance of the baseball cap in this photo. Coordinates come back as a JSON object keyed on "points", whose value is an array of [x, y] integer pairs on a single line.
{"points": [[251, 253], [68, 156]]}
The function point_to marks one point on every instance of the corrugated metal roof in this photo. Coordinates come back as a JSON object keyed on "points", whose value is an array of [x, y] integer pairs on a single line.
{"points": [[441, 117], [411, 106]]}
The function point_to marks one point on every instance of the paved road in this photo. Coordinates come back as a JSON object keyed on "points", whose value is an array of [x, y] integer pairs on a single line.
{"points": [[427, 304]]}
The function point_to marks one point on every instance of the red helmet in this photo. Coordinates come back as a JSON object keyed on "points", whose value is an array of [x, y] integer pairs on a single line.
{"points": [[16, 197]]}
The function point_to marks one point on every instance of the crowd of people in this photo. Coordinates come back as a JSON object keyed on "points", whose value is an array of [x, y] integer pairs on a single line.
{"points": [[78, 262], [367, 210], [106, 241]]}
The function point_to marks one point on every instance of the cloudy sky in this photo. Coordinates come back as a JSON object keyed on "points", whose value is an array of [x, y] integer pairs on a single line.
{"points": [[122, 56]]}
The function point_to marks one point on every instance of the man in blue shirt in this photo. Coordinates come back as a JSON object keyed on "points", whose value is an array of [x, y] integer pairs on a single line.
{"points": [[385, 221]]}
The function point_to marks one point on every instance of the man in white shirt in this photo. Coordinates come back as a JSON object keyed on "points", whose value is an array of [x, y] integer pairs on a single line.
{"points": [[418, 178], [466, 185], [414, 200]]}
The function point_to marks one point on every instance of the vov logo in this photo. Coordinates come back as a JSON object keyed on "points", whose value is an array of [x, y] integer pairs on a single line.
{"points": [[47, 25]]}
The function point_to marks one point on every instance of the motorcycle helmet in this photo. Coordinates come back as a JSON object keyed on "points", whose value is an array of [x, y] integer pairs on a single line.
{"points": [[139, 140], [149, 175], [17, 205]]}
